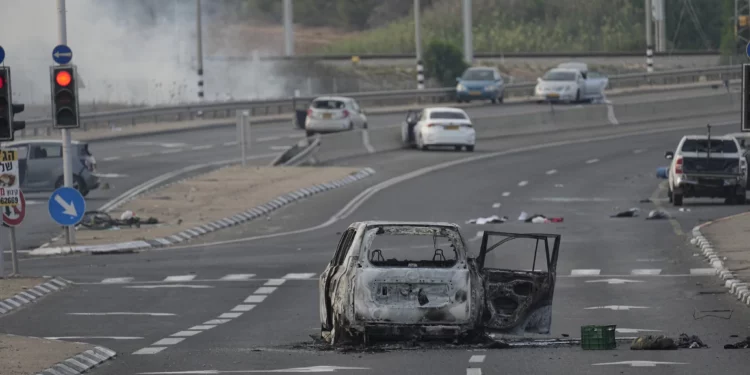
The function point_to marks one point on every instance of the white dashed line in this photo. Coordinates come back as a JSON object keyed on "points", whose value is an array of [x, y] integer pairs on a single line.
{"points": [[204, 147], [265, 290], [149, 350], [638, 151], [232, 143], [169, 286], [280, 148], [299, 276], [117, 280], [238, 277], [645, 272], [255, 299], [180, 278], [213, 322], [171, 151], [507, 193], [204, 327], [168, 341], [473, 371], [551, 171], [523, 183], [186, 333], [295, 135], [111, 158], [274, 282], [230, 315], [243, 308], [267, 139], [477, 359], [592, 161]]}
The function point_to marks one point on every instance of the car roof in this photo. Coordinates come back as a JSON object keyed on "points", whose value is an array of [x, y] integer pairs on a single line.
{"points": [[719, 137], [414, 223], [574, 65], [445, 109], [739, 135], [341, 98], [38, 141], [567, 70]]}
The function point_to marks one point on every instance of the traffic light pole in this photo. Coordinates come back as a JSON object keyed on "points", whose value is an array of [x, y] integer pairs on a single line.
{"points": [[62, 34]]}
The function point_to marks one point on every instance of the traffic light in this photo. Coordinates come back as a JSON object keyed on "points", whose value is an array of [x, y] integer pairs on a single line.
{"points": [[7, 108], [64, 97]]}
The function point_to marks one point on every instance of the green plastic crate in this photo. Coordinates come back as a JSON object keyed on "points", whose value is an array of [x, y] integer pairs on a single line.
{"points": [[598, 337]]}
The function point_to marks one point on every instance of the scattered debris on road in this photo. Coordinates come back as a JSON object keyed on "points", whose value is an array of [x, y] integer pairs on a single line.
{"points": [[633, 212], [494, 219], [662, 342], [99, 220], [538, 219], [690, 342], [658, 215], [744, 344]]}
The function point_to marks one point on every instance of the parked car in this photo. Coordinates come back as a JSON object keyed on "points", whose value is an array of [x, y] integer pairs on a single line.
{"points": [[41, 166], [570, 82], [333, 114], [480, 83], [408, 280], [438, 126], [711, 167], [742, 138]]}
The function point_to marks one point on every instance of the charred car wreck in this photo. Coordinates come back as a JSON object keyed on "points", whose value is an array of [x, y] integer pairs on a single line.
{"points": [[415, 281]]}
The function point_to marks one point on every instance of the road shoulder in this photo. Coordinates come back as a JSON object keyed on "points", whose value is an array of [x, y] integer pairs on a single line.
{"points": [[21, 355], [17, 292], [723, 242]]}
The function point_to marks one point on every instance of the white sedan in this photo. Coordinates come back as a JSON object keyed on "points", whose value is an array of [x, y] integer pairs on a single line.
{"points": [[439, 126], [570, 85]]}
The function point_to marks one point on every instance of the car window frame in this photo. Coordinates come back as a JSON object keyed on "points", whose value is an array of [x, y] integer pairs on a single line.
{"points": [[345, 243], [42, 145]]}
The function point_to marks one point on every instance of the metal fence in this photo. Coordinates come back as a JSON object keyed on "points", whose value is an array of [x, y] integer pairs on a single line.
{"points": [[218, 110]]}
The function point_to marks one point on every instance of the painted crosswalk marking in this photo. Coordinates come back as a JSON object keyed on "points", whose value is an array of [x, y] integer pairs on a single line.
{"points": [[641, 272], [117, 280], [299, 276], [149, 350], [237, 277]]}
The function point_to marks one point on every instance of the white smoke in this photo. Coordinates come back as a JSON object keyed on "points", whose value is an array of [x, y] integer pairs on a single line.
{"points": [[122, 59]]}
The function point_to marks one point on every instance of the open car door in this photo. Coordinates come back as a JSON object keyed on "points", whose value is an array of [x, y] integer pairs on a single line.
{"points": [[518, 301]]}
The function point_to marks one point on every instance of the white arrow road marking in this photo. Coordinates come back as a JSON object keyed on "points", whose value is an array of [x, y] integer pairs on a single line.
{"points": [[94, 337], [124, 313], [614, 281], [616, 307], [69, 208], [287, 370], [635, 330], [639, 363], [169, 286]]}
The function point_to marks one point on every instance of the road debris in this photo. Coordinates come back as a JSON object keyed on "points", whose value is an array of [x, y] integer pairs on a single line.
{"points": [[494, 219], [662, 342], [744, 344], [633, 212], [99, 220], [538, 219], [690, 342], [658, 215]]}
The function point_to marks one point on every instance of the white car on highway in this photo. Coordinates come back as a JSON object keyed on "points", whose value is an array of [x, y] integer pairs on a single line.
{"points": [[332, 114], [438, 126], [570, 82]]}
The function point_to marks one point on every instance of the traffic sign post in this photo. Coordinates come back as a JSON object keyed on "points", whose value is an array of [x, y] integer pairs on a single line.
{"points": [[9, 184], [745, 126], [62, 54], [66, 206], [12, 217]]}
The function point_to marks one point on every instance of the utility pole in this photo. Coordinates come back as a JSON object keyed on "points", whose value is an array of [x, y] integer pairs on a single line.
{"points": [[199, 37], [660, 23], [62, 38], [649, 38], [288, 29], [468, 37], [418, 45]]}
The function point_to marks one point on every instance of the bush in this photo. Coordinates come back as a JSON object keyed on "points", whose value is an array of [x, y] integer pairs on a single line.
{"points": [[443, 62]]}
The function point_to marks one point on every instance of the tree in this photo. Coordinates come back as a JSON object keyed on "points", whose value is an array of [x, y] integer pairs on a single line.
{"points": [[444, 62]]}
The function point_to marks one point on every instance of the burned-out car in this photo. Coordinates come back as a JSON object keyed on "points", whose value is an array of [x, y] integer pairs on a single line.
{"points": [[415, 280]]}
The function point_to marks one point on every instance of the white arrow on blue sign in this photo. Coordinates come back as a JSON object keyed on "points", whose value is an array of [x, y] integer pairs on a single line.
{"points": [[62, 54], [66, 206], [2, 54]]}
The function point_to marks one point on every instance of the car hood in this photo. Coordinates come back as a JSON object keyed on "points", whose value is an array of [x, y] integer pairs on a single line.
{"points": [[476, 83]]}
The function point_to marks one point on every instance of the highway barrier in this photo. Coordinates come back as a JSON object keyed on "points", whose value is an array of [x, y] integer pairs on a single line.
{"points": [[340, 146], [286, 106]]}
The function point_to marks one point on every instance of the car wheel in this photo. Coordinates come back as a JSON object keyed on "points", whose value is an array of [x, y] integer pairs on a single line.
{"points": [[420, 143], [364, 126], [578, 96], [309, 133], [351, 125], [459, 101], [78, 184], [741, 199], [677, 199], [669, 195], [501, 99], [494, 100], [470, 148], [457, 148]]}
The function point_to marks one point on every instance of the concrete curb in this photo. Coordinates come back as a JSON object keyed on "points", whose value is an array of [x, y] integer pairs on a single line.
{"points": [[81, 362], [738, 288], [200, 230], [32, 295]]}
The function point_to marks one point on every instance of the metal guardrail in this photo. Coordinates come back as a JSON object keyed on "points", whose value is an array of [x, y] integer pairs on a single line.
{"points": [[224, 110], [480, 55]]}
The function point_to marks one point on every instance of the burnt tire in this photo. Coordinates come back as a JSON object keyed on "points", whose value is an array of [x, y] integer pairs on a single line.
{"points": [[677, 199]]}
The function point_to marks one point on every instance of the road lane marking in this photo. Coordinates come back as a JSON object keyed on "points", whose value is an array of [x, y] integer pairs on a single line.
{"points": [[238, 277], [180, 278], [592, 161], [523, 183], [639, 363], [642, 272], [657, 202], [571, 200], [168, 286], [265, 290], [615, 307], [366, 142], [477, 359], [117, 280], [587, 272], [123, 313], [267, 139], [230, 315], [204, 147], [111, 158], [507, 193], [638, 151], [703, 271], [186, 333], [635, 330], [171, 151], [551, 171], [232, 143], [149, 350], [214, 322], [296, 276], [614, 281], [204, 327], [255, 299], [94, 337], [473, 371], [286, 371], [280, 148], [275, 282], [243, 308], [168, 341]]}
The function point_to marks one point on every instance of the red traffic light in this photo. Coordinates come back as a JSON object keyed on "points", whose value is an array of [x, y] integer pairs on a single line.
{"points": [[63, 78], [2, 82]]}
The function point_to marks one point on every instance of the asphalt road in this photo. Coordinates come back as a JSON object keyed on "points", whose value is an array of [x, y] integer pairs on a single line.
{"points": [[656, 275], [130, 162]]}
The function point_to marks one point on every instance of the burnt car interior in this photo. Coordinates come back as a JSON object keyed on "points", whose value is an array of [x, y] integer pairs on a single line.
{"points": [[412, 247], [519, 300]]}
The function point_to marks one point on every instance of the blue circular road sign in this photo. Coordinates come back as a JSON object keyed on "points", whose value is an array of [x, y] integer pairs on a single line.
{"points": [[2, 54], [747, 50], [62, 54], [66, 206]]}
